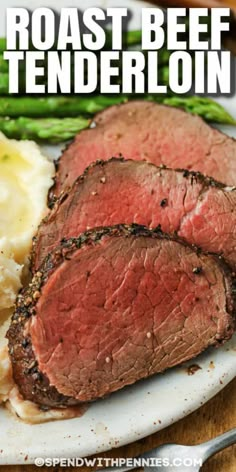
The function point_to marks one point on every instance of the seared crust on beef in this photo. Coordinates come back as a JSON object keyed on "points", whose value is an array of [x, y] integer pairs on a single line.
{"points": [[126, 191], [32, 383], [160, 134]]}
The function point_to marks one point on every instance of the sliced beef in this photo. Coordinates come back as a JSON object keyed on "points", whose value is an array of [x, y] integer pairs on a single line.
{"points": [[124, 191], [155, 133], [114, 306]]}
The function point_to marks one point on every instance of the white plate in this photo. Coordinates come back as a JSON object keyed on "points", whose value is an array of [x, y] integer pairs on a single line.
{"points": [[135, 411]]}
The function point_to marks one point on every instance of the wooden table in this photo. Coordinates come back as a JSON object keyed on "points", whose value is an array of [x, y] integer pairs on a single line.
{"points": [[217, 416]]}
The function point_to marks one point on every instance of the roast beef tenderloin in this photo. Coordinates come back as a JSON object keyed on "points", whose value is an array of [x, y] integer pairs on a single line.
{"points": [[114, 306], [155, 133], [124, 191]]}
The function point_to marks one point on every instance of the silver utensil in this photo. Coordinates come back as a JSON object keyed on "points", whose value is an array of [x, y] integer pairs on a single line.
{"points": [[171, 457]]}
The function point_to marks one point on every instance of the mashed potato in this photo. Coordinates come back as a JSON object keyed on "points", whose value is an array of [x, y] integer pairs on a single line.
{"points": [[25, 178], [6, 380], [10, 279]]}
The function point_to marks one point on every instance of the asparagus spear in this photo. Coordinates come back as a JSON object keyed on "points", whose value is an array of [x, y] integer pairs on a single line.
{"points": [[63, 106], [52, 130], [202, 106], [3, 64], [55, 130], [56, 105], [4, 78], [3, 44]]}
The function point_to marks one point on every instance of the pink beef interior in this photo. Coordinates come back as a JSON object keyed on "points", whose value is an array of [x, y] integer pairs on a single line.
{"points": [[128, 191], [123, 310], [156, 133]]}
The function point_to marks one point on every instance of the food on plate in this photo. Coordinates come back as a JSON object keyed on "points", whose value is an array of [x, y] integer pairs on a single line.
{"points": [[67, 106], [109, 306], [54, 130], [27, 116], [10, 279], [110, 302], [57, 105], [195, 207], [113, 306], [31, 413], [10, 396], [25, 177], [147, 131], [6, 381]]}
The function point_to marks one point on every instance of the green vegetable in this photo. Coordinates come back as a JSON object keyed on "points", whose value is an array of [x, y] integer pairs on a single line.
{"points": [[52, 130], [131, 38], [56, 105], [4, 78], [55, 130], [63, 106], [202, 106], [3, 44], [3, 64]]}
